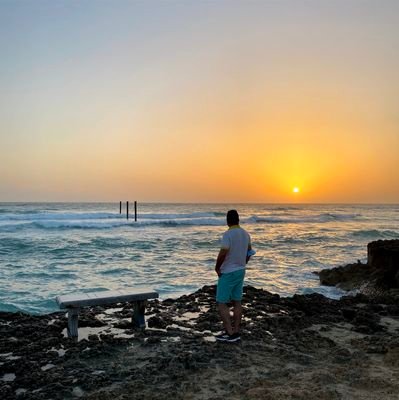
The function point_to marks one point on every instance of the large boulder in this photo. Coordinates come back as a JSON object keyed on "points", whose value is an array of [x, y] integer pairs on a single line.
{"points": [[380, 272], [348, 277], [383, 257]]}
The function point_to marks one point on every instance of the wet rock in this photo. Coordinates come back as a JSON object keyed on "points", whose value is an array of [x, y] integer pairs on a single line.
{"points": [[392, 355], [93, 338], [168, 302], [380, 274], [393, 310], [349, 313], [153, 340], [367, 322], [6, 392], [348, 277], [284, 341], [342, 355], [157, 322]]}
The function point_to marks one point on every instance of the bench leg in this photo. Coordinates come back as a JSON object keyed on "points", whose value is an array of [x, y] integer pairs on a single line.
{"points": [[73, 316], [138, 319]]}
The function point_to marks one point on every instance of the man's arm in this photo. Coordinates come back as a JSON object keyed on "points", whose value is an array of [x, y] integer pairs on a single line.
{"points": [[219, 261]]}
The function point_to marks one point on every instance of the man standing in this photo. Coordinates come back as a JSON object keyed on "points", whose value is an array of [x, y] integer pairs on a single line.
{"points": [[230, 267]]}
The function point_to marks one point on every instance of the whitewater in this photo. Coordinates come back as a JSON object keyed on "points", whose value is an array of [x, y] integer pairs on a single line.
{"points": [[47, 249]]}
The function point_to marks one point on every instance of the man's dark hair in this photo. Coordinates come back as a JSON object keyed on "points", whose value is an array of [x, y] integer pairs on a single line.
{"points": [[232, 217]]}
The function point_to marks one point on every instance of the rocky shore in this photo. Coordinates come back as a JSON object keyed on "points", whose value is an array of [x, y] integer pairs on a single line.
{"points": [[301, 347], [380, 275]]}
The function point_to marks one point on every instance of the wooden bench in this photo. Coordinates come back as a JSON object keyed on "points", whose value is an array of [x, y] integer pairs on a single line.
{"points": [[73, 303]]}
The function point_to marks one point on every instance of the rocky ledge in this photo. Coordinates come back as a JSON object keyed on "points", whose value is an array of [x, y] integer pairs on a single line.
{"points": [[380, 274], [301, 347]]}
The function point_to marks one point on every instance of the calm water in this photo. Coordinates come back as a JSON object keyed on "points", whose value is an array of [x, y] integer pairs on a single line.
{"points": [[50, 249]]}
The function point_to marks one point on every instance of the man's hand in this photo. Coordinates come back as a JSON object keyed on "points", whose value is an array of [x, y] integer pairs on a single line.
{"points": [[221, 256], [248, 257]]}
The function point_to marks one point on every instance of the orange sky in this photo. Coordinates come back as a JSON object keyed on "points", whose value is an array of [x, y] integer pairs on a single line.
{"points": [[200, 102]]}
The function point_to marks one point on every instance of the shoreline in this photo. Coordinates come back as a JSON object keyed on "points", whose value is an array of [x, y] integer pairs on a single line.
{"points": [[298, 347], [176, 295]]}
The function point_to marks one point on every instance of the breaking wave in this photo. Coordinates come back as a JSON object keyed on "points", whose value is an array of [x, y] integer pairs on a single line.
{"points": [[376, 234], [98, 220]]}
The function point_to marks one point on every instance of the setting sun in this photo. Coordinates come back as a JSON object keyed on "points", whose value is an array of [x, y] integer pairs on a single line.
{"points": [[295, 190]]}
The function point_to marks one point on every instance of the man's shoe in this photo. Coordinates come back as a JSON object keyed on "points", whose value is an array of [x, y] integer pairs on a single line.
{"points": [[235, 337], [222, 337], [225, 337]]}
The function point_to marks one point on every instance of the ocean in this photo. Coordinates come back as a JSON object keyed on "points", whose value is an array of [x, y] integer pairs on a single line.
{"points": [[47, 249]]}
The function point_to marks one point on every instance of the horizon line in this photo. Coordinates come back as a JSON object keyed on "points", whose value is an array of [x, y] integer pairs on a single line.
{"points": [[200, 202]]}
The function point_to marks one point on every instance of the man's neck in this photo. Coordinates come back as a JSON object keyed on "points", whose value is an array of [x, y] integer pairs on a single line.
{"points": [[234, 226]]}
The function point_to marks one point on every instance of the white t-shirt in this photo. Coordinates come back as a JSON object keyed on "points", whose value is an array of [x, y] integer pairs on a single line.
{"points": [[236, 240]]}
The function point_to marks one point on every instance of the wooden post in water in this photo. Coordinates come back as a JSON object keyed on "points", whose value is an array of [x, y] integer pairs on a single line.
{"points": [[135, 211], [120, 207], [127, 210]]}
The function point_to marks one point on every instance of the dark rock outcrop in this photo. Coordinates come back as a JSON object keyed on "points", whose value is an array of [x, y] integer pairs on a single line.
{"points": [[379, 274], [383, 256], [348, 277]]}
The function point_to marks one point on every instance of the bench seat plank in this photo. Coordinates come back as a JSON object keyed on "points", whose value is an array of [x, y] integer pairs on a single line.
{"points": [[105, 297]]}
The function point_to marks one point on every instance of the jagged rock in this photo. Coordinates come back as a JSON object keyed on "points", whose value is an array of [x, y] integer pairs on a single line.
{"points": [[157, 322], [380, 274], [347, 277], [284, 341]]}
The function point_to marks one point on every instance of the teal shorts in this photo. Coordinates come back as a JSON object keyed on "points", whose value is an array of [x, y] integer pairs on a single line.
{"points": [[230, 286]]}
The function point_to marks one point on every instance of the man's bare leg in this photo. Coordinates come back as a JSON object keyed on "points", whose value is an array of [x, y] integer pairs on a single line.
{"points": [[224, 311], [237, 314]]}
